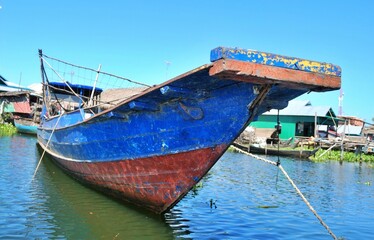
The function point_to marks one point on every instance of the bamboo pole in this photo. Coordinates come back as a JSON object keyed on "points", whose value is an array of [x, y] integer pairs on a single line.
{"points": [[90, 102], [327, 150], [315, 125], [342, 146]]}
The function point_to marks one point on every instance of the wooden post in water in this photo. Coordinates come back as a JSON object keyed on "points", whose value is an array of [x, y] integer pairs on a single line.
{"points": [[315, 126], [342, 145]]}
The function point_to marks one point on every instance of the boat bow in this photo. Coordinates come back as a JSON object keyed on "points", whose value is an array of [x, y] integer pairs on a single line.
{"points": [[152, 147]]}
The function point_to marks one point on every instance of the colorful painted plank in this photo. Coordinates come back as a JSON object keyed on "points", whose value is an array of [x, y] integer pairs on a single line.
{"points": [[276, 60]]}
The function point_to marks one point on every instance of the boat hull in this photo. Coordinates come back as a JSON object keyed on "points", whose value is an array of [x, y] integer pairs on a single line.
{"points": [[151, 158], [155, 183], [26, 126], [151, 148], [274, 151]]}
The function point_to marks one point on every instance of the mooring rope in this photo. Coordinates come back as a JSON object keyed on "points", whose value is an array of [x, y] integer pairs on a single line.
{"points": [[49, 139], [294, 185]]}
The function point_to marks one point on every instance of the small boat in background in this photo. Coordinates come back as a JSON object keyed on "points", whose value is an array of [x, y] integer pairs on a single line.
{"points": [[284, 152], [26, 125], [25, 109], [149, 145]]}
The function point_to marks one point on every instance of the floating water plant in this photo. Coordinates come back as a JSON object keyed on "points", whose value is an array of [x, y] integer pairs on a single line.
{"points": [[7, 129], [347, 156]]}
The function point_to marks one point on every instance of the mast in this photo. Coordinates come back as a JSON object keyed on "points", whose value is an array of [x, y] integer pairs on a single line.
{"points": [[42, 72], [90, 102], [41, 66]]}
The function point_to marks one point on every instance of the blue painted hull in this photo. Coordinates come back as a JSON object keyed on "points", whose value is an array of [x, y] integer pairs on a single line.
{"points": [[30, 128], [124, 133], [181, 125]]}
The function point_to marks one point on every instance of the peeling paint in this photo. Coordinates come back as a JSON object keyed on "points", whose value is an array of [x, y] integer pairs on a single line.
{"points": [[274, 60]]}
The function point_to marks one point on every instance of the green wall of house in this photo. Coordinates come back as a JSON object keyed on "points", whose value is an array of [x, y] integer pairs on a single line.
{"points": [[290, 125]]}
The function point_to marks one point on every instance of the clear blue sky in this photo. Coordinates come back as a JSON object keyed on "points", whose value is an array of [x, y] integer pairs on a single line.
{"points": [[135, 38]]}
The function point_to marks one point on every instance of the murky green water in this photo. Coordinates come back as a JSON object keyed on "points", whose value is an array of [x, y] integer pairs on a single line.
{"points": [[55, 206], [240, 198]]}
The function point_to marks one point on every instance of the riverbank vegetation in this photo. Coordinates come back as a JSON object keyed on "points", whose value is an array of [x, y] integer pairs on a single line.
{"points": [[347, 156], [7, 129]]}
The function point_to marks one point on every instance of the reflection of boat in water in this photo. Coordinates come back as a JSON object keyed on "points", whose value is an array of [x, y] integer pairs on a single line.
{"points": [[285, 152], [69, 206], [151, 148]]}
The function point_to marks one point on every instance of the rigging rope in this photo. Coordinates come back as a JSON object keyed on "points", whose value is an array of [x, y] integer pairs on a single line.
{"points": [[44, 58], [278, 135], [278, 139], [94, 70], [44, 86], [62, 79], [46, 146], [294, 186]]}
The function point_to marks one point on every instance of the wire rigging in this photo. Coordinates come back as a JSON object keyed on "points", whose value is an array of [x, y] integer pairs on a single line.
{"points": [[94, 70]]}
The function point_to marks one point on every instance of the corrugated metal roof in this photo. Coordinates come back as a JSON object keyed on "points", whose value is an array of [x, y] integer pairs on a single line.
{"points": [[302, 108], [14, 93], [350, 130], [6, 86], [2, 80]]}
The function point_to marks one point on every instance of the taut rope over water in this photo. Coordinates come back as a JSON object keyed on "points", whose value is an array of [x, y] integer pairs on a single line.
{"points": [[294, 185], [46, 146]]}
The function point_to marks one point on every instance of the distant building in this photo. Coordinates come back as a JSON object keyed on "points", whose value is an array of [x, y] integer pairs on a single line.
{"points": [[369, 133], [299, 119], [6, 86], [16, 102], [350, 126]]}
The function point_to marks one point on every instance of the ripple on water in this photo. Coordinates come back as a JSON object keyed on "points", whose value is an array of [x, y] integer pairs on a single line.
{"points": [[53, 206], [240, 198], [252, 203]]}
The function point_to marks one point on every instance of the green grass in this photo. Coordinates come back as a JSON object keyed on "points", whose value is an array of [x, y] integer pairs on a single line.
{"points": [[347, 157], [7, 129]]}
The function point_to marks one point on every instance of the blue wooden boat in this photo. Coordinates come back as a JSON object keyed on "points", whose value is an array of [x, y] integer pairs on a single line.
{"points": [[151, 148], [26, 125], [24, 107]]}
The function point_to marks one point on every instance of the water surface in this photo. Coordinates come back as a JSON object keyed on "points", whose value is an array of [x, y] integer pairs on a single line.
{"points": [[240, 198]]}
